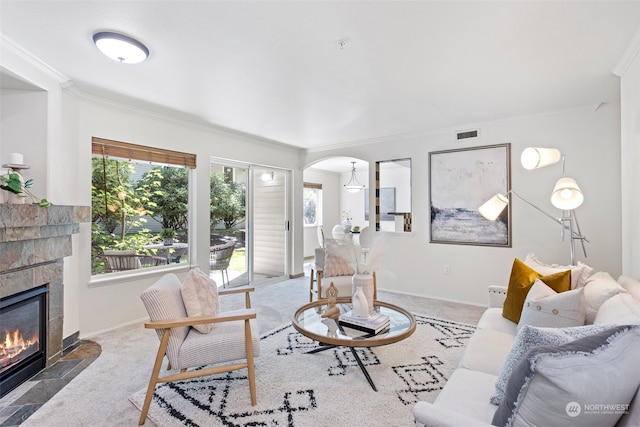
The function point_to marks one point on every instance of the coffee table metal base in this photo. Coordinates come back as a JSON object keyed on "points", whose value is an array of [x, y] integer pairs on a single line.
{"points": [[355, 356]]}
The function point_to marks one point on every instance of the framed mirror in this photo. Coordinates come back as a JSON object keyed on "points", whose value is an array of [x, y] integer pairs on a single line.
{"points": [[393, 196]]}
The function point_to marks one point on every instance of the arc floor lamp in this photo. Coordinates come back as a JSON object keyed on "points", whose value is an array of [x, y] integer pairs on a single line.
{"points": [[566, 196]]}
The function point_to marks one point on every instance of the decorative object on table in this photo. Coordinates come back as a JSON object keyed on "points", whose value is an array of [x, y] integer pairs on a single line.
{"points": [[373, 324], [460, 181], [364, 263], [360, 304], [332, 311], [167, 235], [16, 186], [566, 196], [346, 223], [364, 282]]}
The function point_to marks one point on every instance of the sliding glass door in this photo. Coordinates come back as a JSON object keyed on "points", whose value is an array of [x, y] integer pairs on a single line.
{"points": [[249, 212]]}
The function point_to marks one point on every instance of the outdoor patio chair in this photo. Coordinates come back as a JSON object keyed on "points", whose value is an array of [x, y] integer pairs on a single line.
{"points": [[129, 260], [193, 334], [219, 258]]}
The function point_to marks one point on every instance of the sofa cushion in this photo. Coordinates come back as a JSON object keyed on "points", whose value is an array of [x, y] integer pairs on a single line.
{"points": [[579, 273], [492, 320], [520, 281], [467, 392], [485, 351], [621, 309], [200, 297], [565, 385], [545, 307], [599, 288], [530, 337]]}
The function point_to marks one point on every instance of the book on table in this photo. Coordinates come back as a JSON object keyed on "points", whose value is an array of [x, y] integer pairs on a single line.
{"points": [[373, 324]]}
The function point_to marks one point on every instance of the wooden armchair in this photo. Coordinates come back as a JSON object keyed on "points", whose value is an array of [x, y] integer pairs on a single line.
{"points": [[234, 338]]}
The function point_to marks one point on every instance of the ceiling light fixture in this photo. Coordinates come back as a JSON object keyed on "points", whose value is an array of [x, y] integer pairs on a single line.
{"points": [[120, 48], [353, 186]]}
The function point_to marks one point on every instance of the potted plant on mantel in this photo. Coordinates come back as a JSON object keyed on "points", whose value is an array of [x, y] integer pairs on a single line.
{"points": [[16, 186], [167, 234]]}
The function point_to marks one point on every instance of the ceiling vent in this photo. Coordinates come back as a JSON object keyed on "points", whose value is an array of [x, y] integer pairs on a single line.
{"points": [[467, 134]]}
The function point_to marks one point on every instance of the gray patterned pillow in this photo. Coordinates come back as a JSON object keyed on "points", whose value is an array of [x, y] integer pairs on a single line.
{"points": [[529, 337], [588, 382]]}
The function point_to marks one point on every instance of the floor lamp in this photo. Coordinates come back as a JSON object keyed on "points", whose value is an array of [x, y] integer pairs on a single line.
{"points": [[566, 196]]}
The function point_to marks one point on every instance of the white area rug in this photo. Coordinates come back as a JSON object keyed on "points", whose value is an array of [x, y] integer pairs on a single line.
{"points": [[322, 389]]}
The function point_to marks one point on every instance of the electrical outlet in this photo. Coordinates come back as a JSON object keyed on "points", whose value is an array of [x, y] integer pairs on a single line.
{"points": [[447, 269]]}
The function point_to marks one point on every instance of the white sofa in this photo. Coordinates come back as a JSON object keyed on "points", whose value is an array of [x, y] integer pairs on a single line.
{"points": [[465, 399]]}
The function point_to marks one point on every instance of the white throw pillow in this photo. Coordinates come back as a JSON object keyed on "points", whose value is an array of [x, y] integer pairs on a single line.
{"points": [[587, 382], [545, 307], [200, 297], [579, 273], [621, 309], [335, 263], [530, 337], [599, 288]]}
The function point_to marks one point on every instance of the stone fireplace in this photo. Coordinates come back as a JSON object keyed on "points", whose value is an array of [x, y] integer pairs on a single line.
{"points": [[33, 243]]}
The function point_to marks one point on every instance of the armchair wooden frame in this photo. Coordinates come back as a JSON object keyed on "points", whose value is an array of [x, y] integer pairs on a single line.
{"points": [[166, 325]]}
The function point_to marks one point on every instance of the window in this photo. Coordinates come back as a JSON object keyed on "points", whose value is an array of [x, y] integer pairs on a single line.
{"points": [[139, 206], [312, 198]]}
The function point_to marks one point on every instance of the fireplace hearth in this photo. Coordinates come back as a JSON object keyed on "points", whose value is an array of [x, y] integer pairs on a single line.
{"points": [[23, 339]]}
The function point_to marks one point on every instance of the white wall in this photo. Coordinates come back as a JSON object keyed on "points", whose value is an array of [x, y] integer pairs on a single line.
{"points": [[590, 140], [119, 299], [630, 108]]}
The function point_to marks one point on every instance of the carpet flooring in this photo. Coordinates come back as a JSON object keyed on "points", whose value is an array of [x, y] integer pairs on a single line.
{"points": [[99, 396], [297, 389]]}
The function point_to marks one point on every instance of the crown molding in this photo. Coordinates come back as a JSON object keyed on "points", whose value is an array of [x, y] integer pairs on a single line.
{"points": [[28, 57], [630, 54]]}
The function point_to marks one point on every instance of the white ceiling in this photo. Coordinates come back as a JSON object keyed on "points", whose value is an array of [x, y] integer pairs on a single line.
{"points": [[273, 68]]}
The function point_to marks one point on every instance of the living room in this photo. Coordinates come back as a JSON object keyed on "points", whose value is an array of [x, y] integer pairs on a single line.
{"points": [[596, 132]]}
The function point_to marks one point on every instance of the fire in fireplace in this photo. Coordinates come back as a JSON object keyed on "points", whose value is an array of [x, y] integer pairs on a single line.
{"points": [[22, 337]]}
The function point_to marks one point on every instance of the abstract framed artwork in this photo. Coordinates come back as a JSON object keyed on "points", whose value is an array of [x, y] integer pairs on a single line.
{"points": [[460, 181]]}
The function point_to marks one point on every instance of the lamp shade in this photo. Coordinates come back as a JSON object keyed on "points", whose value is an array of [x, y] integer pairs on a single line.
{"points": [[536, 157], [493, 207], [566, 194]]}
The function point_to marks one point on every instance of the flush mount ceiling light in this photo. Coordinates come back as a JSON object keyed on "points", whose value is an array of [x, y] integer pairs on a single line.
{"points": [[120, 48], [353, 186]]}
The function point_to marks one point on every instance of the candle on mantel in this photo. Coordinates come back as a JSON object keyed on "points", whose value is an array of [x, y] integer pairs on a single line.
{"points": [[16, 159]]}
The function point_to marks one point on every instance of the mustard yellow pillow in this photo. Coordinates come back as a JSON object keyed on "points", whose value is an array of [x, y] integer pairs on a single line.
{"points": [[521, 280]]}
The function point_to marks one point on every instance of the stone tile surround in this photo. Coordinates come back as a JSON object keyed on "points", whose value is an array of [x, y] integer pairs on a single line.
{"points": [[33, 243]]}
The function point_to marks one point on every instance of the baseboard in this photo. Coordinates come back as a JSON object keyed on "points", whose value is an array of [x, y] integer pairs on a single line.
{"points": [[295, 276], [433, 297], [133, 322]]}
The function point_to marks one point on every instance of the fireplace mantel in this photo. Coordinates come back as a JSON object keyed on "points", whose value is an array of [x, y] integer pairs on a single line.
{"points": [[33, 243]]}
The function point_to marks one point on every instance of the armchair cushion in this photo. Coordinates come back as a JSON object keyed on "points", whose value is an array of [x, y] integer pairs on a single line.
{"points": [[163, 300], [200, 296], [224, 344]]}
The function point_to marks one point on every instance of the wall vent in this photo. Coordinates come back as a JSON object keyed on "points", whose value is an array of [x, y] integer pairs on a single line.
{"points": [[466, 134]]}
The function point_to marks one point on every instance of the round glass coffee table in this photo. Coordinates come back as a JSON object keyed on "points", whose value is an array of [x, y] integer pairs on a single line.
{"points": [[308, 321]]}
